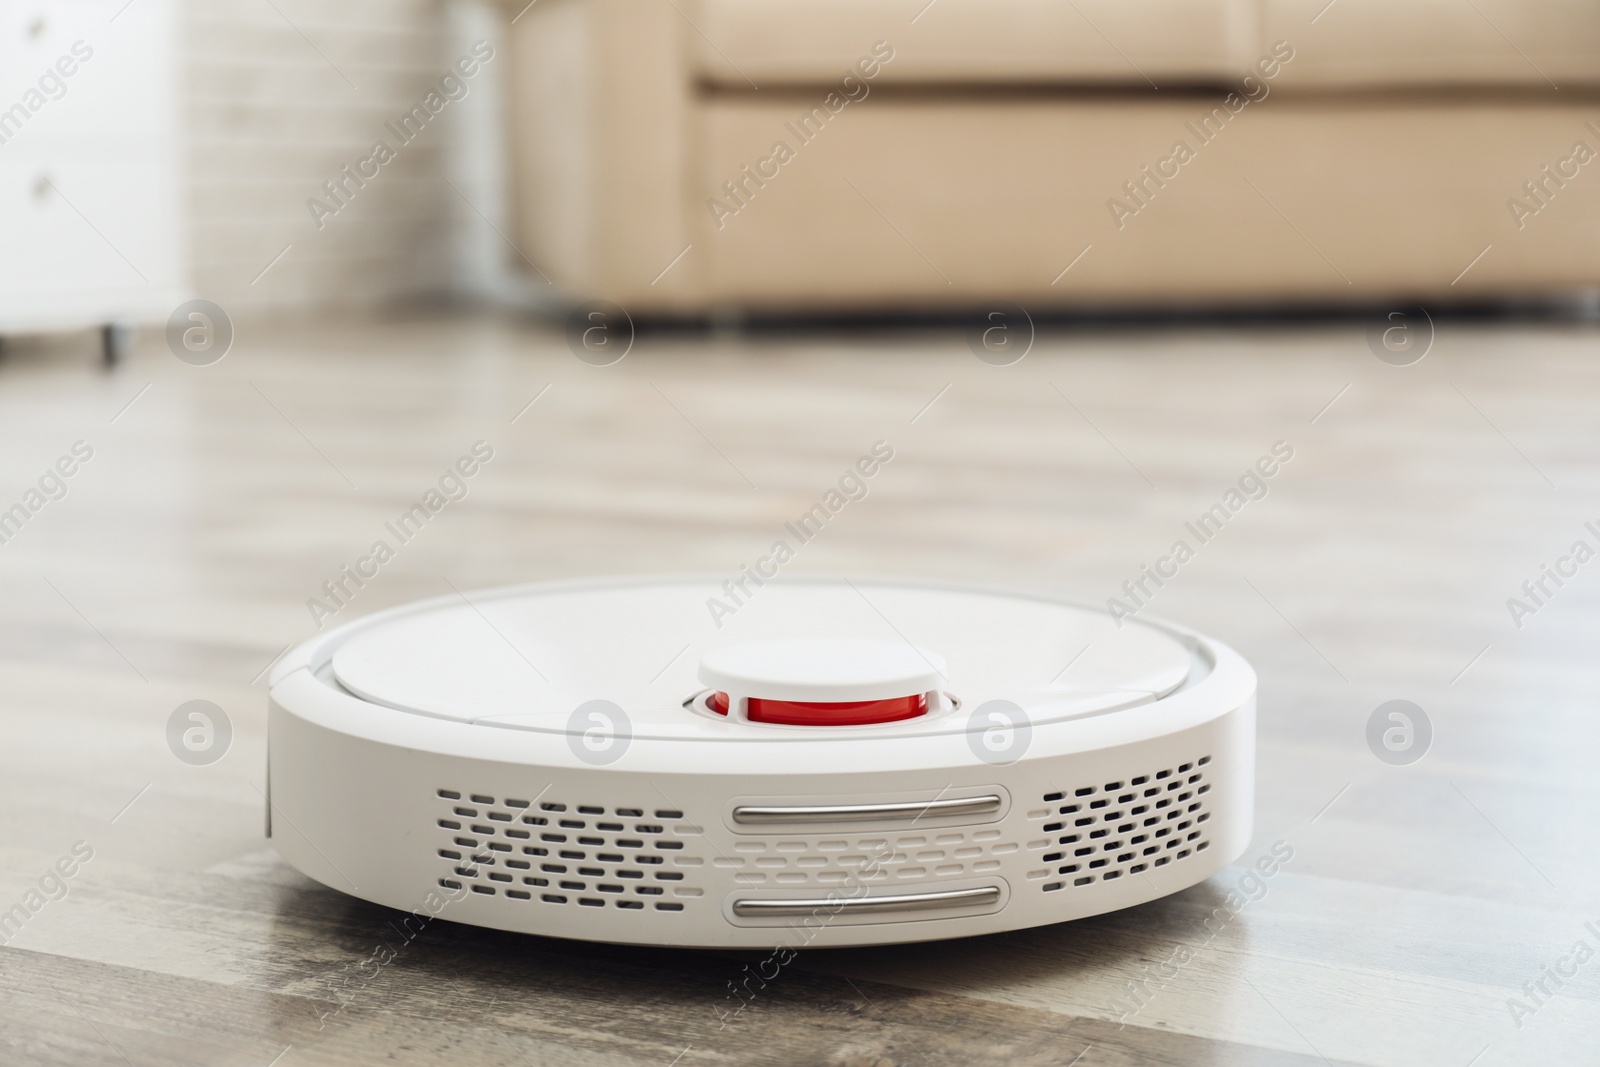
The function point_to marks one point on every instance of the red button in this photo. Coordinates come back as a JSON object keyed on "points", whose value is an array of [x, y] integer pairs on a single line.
{"points": [[854, 713]]}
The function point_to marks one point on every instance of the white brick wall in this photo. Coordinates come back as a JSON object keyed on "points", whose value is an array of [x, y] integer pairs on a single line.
{"points": [[270, 120]]}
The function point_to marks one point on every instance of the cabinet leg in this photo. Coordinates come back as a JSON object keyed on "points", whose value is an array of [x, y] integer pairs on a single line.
{"points": [[116, 342]]}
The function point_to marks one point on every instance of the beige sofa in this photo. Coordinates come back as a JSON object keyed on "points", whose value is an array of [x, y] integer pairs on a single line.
{"points": [[683, 156]]}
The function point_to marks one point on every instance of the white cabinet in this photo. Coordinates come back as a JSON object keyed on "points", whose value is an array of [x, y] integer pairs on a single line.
{"points": [[90, 177]]}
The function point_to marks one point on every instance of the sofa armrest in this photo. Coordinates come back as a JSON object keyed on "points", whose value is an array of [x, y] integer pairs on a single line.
{"points": [[600, 94]]}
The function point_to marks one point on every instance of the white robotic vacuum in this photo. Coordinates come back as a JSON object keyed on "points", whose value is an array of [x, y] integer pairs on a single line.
{"points": [[834, 762]]}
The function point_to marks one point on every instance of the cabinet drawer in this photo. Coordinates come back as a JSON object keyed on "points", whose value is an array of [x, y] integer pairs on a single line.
{"points": [[85, 228], [122, 85]]}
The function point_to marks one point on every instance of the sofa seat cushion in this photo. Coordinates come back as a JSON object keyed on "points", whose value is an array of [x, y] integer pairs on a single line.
{"points": [[755, 43], [1374, 44]]}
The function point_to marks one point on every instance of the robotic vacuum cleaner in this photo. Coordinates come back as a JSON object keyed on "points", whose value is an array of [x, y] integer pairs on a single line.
{"points": [[833, 762]]}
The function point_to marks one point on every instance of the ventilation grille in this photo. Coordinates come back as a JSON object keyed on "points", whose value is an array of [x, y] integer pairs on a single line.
{"points": [[1119, 829], [553, 853], [934, 854]]}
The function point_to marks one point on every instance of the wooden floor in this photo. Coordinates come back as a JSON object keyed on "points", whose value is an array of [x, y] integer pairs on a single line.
{"points": [[1418, 901]]}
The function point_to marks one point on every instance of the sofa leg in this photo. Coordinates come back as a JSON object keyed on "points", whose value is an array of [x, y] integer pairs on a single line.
{"points": [[727, 321], [1586, 305]]}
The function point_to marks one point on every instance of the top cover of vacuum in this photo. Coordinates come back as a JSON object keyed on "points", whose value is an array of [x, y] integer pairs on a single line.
{"points": [[835, 762]]}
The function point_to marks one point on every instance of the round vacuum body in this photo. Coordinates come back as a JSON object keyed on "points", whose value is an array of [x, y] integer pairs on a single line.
{"points": [[807, 763]]}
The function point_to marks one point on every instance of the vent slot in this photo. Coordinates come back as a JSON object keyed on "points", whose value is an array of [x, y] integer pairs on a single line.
{"points": [[1126, 827], [599, 853]]}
